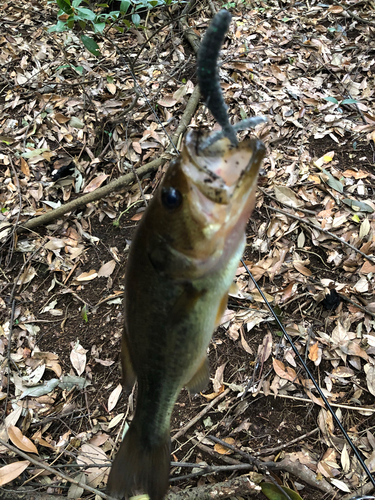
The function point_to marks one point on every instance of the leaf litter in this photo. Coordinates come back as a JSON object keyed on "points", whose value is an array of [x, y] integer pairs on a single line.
{"points": [[64, 133]]}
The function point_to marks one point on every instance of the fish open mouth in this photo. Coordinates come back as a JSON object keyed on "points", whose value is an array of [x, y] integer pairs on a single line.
{"points": [[222, 171]]}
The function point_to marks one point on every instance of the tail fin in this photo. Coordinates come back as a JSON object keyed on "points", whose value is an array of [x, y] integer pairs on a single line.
{"points": [[139, 468]]}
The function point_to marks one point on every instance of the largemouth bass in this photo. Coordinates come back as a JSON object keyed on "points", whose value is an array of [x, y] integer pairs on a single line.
{"points": [[182, 262]]}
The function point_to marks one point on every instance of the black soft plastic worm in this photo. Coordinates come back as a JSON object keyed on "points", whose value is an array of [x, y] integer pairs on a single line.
{"points": [[208, 74]]}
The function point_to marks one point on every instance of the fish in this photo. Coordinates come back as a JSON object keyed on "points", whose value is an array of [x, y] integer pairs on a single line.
{"points": [[181, 265]]}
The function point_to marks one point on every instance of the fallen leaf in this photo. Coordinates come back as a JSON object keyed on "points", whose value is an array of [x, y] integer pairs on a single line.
{"points": [[113, 397], [12, 471], [20, 441], [78, 357], [218, 379], [223, 450], [284, 372], [370, 379], [313, 352], [91, 275], [95, 183], [107, 269], [302, 269]]}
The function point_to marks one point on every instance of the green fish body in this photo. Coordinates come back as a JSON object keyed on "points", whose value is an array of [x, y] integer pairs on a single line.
{"points": [[182, 262]]}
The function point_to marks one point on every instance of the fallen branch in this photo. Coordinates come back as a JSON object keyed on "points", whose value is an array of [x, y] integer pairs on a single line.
{"points": [[197, 417], [311, 224], [40, 464], [122, 181], [301, 471], [239, 486]]}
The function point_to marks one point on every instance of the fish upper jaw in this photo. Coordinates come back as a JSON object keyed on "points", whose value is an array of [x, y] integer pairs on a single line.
{"points": [[222, 182]]}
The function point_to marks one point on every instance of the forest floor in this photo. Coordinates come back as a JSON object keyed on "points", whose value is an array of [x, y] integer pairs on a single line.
{"points": [[72, 123]]}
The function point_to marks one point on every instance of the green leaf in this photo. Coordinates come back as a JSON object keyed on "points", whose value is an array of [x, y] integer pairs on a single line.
{"points": [[84, 313], [65, 6], [243, 113], [332, 182], [358, 206], [124, 6], [59, 27], [136, 18], [349, 101], [272, 492], [99, 27], [82, 13], [331, 99], [91, 45], [355, 218]]}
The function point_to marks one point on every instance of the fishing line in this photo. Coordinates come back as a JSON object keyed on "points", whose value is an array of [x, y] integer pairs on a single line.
{"points": [[309, 374]]}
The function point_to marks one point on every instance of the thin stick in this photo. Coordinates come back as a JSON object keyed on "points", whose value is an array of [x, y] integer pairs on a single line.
{"points": [[354, 16], [336, 405], [267, 451], [122, 181], [41, 464], [240, 486], [197, 417], [337, 238], [298, 209]]}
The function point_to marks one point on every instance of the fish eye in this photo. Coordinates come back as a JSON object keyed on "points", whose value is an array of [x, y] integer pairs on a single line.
{"points": [[171, 198]]}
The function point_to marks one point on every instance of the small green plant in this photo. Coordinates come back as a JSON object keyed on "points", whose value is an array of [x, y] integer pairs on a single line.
{"points": [[72, 12], [84, 313], [344, 101]]}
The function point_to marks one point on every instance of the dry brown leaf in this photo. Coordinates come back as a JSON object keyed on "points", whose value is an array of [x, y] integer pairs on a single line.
{"points": [[313, 351], [91, 275], [336, 9], [301, 268], [223, 450], [107, 269], [326, 158], [286, 195], [78, 357], [137, 147], [167, 102], [367, 268], [325, 469], [345, 460], [12, 471], [218, 379], [112, 88], [137, 216], [244, 344], [113, 397], [213, 395], [343, 371], [284, 372], [95, 183], [313, 398], [264, 350], [93, 455], [60, 118], [20, 441], [370, 378], [25, 169], [353, 349], [325, 422]]}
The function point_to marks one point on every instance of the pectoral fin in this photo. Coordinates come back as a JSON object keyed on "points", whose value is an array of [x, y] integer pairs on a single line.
{"points": [[221, 309], [201, 378], [128, 375]]}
